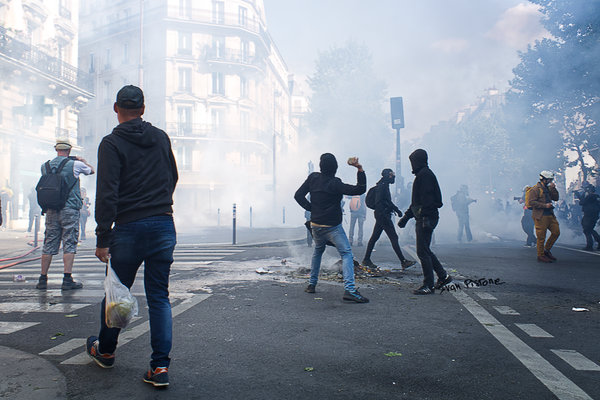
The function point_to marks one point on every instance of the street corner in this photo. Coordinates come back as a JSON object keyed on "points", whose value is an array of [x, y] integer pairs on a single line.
{"points": [[29, 377]]}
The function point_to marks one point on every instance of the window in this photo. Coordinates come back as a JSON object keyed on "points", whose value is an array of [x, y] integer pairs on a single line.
{"points": [[125, 53], [185, 79], [185, 8], [244, 51], [244, 123], [108, 59], [184, 157], [92, 63], [218, 12], [218, 47], [185, 43], [216, 120], [243, 16], [184, 121], [243, 87], [107, 94], [218, 83]]}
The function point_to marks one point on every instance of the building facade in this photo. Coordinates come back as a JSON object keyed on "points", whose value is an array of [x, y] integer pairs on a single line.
{"points": [[213, 80], [41, 91]]}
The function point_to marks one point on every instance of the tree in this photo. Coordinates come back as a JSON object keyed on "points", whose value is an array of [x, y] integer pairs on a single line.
{"points": [[558, 80], [347, 106]]}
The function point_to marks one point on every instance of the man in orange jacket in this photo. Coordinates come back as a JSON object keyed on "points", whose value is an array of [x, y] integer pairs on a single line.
{"points": [[540, 201]]}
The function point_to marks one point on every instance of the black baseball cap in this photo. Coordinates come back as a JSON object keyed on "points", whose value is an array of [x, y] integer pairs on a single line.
{"points": [[130, 97]]}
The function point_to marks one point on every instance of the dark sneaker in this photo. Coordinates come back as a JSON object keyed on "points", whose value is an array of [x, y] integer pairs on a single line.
{"points": [[588, 248], [424, 290], [70, 284], [42, 283], [443, 282], [407, 264], [157, 378], [354, 296], [310, 289], [368, 263], [544, 259], [549, 255], [105, 360]]}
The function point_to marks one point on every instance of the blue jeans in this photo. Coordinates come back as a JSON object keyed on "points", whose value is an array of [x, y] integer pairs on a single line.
{"points": [[337, 236], [150, 240]]}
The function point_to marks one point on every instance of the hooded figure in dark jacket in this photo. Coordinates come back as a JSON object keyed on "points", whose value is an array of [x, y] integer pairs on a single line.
{"points": [[326, 192], [384, 207], [426, 199]]}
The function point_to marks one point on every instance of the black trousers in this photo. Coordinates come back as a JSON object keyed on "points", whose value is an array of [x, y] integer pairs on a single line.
{"points": [[383, 223], [424, 230], [527, 225], [588, 222]]}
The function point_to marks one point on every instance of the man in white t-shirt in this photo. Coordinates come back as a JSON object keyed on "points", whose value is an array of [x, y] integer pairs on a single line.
{"points": [[63, 225]]}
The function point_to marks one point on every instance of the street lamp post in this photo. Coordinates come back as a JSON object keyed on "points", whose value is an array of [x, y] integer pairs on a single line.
{"points": [[276, 94]]}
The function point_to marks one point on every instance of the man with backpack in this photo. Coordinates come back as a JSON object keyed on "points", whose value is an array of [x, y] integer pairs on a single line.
{"points": [[60, 200], [380, 199], [358, 213], [539, 198]]}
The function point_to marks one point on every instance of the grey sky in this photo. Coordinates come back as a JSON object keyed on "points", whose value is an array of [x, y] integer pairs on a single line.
{"points": [[438, 55]]}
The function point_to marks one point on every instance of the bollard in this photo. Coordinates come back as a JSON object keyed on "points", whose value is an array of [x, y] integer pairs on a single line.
{"points": [[234, 218], [218, 217], [36, 229], [250, 217], [284, 215]]}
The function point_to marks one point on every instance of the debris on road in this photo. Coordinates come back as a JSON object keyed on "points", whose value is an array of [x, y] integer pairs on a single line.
{"points": [[393, 354], [262, 271], [579, 309]]}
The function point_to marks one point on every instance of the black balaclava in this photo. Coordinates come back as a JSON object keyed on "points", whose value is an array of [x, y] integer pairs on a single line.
{"points": [[387, 176], [418, 160], [328, 164]]}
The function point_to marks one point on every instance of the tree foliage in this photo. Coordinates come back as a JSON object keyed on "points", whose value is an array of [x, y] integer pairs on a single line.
{"points": [[557, 83], [347, 104]]}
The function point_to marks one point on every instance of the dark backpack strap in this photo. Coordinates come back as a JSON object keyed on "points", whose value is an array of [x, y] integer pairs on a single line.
{"points": [[48, 167], [62, 165]]}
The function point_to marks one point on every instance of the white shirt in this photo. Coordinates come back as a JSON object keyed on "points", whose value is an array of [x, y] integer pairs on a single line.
{"points": [[80, 168]]}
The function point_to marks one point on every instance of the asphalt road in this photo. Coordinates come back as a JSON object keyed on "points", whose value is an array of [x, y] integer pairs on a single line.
{"points": [[241, 335]]}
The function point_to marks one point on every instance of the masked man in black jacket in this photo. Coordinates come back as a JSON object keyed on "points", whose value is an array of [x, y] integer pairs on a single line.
{"points": [[137, 175], [426, 199], [326, 192], [384, 207]]}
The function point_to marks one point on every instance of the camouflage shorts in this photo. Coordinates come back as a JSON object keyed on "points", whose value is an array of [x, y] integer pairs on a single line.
{"points": [[62, 226]]}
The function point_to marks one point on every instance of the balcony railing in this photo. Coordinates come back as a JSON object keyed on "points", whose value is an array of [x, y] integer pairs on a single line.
{"points": [[220, 19], [229, 55], [175, 129], [43, 62], [64, 12]]}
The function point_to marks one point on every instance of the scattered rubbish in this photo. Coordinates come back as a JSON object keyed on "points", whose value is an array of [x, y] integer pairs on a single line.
{"points": [[71, 315], [284, 262], [309, 369], [57, 335], [262, 271], [393, 354], [318, 298], [18, 278], [579, 309]]}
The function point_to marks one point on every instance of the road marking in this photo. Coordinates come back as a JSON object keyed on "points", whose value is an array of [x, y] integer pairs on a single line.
{"points": [[139, 330], [577, 360], [506, 310], [26, 307], [11, 327], [64, 348], [581, 251], [534, 331], [485, 296], [553, 379]]}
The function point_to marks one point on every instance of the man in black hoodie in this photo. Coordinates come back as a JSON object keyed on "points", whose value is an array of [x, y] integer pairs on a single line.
{"points": [[326, 192], [384, 207], [426, 199], [137, 175]]}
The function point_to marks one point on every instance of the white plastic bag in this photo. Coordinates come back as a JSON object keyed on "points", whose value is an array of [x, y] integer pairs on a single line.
{"points": [[121, 306]]}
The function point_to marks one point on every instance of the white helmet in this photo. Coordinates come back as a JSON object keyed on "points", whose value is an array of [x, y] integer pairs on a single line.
{"points": [[547, 175]]}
